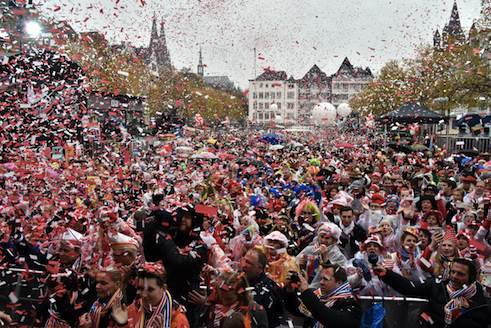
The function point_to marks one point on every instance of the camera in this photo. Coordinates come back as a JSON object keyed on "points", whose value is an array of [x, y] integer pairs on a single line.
{"points": [[373, 259], [294, 278]]}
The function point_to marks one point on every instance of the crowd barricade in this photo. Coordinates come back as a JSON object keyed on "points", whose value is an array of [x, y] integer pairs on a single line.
{"points": [[391, 312]]}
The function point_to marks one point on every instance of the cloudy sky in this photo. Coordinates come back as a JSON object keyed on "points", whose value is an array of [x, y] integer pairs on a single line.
{"points": [[289, 35]]}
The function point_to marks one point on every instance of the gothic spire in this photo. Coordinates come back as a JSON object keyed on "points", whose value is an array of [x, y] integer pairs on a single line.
{"points": [[454, 28], [154, 35], [437, 39], [163, 51], [201, 70]]}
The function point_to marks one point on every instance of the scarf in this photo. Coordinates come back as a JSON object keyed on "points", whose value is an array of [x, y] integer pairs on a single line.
{"points": [[164, 309], [341, 292], [347, 230], [100, 309], [54, 321], [459, 300]]}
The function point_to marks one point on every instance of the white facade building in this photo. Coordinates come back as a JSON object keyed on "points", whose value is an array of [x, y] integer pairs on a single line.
{"points": [[273, 88], [295, 99], [348, 81]]}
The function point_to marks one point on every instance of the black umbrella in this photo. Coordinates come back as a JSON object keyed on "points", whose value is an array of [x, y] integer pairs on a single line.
{"points": [[469, 152], [400, 148], [412, 113]]}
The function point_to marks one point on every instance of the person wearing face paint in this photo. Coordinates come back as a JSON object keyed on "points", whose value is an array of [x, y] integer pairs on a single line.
{"points": [[375, 213], [438, 256], [155, 306], [408, 254], [360, 268], [324, 249], [280, 263], [454, 302]]}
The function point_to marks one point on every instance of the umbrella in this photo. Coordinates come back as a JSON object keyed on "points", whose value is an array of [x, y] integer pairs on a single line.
{"points": [[272, 138], [401, 148], [276, 147], [345, 145], [296, 144], [412, 113], [469, 119], [469, 152], [184, 149], [419, 147], [204, 155], [226, 156]]}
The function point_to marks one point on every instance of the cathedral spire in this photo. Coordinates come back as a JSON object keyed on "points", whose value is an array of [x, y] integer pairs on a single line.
{"points": [[201, 71], [453, 33], [154, 35], [163, 50], [437, 39]]}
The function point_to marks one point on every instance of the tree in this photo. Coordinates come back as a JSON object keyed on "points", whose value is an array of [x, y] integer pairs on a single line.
{"points": [[458, 73], [389, 91]]}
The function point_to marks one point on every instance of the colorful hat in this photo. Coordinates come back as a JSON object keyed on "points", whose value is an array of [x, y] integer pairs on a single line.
{"points": [[330, 229], [277, 236], [373, 239], [464, 234], [412, 231], [377, 199], [450, 235], [123, 242]]}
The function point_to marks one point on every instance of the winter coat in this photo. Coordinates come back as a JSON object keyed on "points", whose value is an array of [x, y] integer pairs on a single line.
{"points": [[436, 292]]}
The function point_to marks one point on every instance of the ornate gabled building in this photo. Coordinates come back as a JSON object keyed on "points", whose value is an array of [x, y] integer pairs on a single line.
{"points": [[452, 33], [348, 81], [295, 99], [313, 88]]}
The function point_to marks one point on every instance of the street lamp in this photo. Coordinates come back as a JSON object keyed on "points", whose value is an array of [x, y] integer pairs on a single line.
{"points": [[29, 29], [443, 101], [33, 29]]}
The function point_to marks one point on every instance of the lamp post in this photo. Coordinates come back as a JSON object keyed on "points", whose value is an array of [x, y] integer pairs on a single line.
{"points": [[30, 28], [442, 101]]}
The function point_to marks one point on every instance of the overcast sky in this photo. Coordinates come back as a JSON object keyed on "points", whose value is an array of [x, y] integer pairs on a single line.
{"points": [[290, 35]]}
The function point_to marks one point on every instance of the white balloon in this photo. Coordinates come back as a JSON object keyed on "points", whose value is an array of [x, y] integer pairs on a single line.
{"points": [[273, 107], [344, 110], [278, 119], [324, 114]]}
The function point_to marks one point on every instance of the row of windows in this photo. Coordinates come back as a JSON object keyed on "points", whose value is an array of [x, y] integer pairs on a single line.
{"points": [[347, 86], [266, 95], [256, 105], [270, 116], [267, 85], [272, 95]]}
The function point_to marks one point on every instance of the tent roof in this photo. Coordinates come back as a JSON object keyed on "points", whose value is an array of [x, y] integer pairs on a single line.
{"points": [[412, 113]]}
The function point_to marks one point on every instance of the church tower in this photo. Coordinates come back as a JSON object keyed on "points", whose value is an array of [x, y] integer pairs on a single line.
{"points": [[437, 40], [157, 54], [201, 70], [163, 50], [452, 32]]}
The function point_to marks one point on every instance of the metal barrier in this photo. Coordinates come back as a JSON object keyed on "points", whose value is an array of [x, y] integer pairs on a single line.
{"points": [[458, 143]]}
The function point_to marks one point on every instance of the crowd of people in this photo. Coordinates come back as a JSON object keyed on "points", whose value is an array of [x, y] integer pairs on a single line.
{"points": [[227, 228], [231, 231]]}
